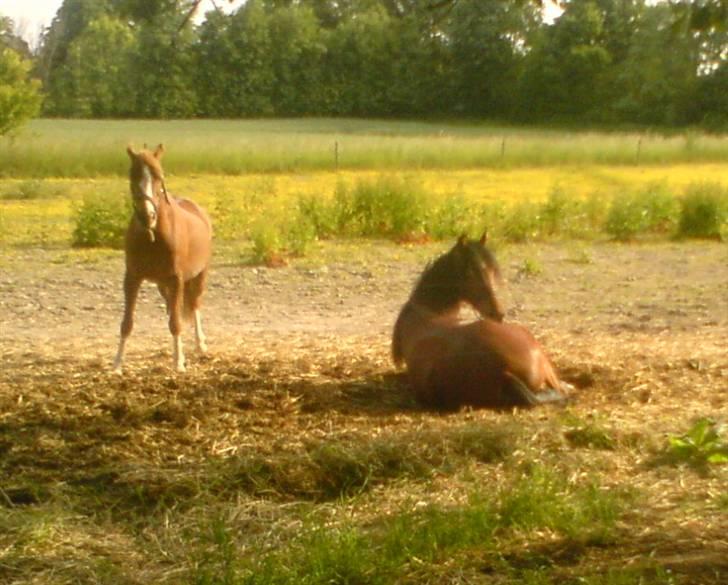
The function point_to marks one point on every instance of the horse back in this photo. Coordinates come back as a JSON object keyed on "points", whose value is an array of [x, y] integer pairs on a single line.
{"points": [[194, 237], [197, 211]]}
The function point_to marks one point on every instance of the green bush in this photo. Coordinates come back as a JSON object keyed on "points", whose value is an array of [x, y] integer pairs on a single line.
{"points": [[625, 218], [661, 209], [701, 445], [319, 214], [267, 244], [388, 206], [704, 211], [521, 222], [299, 234], [100, 221], [274, 243], [454, 216], [559, 214], [653, 210]]}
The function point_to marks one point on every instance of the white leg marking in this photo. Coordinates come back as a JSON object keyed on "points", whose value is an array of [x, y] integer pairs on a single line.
{"points": [[177, 353], [199, 335], [118, 360]]}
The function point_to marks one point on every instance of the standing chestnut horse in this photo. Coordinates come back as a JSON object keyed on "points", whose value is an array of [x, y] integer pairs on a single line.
{"points": [[169, 242], [486, 363]]}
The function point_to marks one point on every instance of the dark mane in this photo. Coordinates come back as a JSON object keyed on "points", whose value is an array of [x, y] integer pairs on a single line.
{"points": [[439, 286]]}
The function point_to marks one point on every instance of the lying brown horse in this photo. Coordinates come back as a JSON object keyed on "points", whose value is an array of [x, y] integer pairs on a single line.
{"points": [[486, 363], [168, 242]]}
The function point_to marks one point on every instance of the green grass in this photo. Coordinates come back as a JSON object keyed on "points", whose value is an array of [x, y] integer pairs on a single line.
{"points": [[411, 544], [702, 445], [89, 148]]}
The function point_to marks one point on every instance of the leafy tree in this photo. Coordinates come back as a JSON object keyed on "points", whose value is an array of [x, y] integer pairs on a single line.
{"points": [[564, 74], [94, 79], [10, 40], [20, 97], [70, 20], [710, 99], [236, 76], [486, 40], [359, 64], [295, 61], [162, 72], [656, 79]]}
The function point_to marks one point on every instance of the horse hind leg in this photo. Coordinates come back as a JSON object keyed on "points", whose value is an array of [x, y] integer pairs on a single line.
{"points": [[522, 395], [164, 292], [192, 296]]}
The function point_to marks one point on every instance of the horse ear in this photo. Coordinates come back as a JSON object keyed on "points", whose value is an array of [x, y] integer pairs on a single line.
{"points": [[159, 151], [462, 240], [484, 238], [131, 152]]}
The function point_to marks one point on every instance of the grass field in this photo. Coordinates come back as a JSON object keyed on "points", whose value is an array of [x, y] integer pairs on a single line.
{"points": [[76, 148], [294, 453]]}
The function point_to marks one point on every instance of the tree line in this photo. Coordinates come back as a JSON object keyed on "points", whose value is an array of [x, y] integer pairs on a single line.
{"points": [[600, 62]]}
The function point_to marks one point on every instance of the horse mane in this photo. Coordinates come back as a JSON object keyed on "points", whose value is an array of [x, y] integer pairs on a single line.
{"points": [[437, 286]]}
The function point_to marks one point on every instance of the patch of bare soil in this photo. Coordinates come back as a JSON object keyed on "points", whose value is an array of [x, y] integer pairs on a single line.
{"points": [[298, 353]]}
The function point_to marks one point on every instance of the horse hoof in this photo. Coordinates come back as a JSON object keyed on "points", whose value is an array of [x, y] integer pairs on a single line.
{"points": [[181, 369]]}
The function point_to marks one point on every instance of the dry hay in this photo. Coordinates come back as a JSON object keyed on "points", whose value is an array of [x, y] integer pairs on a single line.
{"points": [[65, 419]]}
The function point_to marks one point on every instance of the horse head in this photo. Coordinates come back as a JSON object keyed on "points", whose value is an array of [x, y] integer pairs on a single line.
{"points": [[467, 273], [479, 273], [146, 182]]}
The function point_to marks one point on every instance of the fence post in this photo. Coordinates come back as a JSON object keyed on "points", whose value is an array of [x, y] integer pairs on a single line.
{"points": [[639, 149], [336, 155]]}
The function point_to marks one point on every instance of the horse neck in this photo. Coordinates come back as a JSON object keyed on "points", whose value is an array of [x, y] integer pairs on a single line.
{"points": [[434, 294], [413, 322], [166, 214]]}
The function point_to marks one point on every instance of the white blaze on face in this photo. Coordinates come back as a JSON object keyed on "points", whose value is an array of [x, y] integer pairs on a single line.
{"points": [[146, 186]]}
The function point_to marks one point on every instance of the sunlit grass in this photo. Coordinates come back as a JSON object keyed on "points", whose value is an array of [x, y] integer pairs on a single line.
{"points": [[88, 148]]}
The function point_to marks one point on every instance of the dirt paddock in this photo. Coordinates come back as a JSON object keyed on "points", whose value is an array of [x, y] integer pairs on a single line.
{"points": [[641, 331]]}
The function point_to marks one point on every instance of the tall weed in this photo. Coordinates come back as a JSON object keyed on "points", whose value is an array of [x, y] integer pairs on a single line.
{"points": [[704, 211], [387, 206], [653, 210], [454, 216]]}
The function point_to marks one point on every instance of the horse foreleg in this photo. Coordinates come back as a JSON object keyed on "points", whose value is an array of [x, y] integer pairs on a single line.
{"points": [[175, 299], [131, 291]]}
